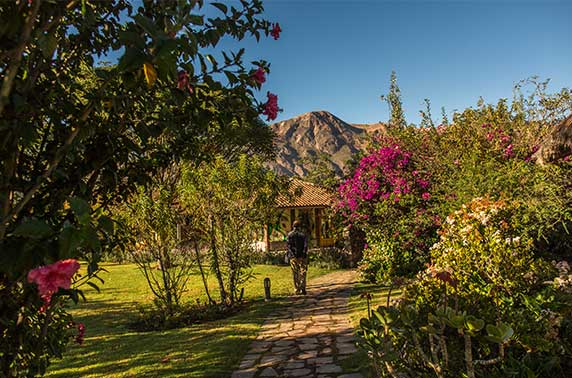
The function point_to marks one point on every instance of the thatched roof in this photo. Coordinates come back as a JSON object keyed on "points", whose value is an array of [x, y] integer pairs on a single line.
{"points": [[557, 145], [305, 194]]}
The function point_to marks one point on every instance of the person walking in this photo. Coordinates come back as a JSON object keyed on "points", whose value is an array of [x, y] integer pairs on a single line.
{"points": [[298, 256]]}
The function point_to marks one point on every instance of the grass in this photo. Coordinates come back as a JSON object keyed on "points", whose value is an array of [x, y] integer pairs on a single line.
{"points": [[210, 349], [358, 309]]}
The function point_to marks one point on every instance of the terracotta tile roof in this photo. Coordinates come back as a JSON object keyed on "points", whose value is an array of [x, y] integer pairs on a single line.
{"points": [[311, 195]]}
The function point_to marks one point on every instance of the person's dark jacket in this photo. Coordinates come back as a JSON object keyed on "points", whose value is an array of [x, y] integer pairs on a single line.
{"points": [[297, 244]]}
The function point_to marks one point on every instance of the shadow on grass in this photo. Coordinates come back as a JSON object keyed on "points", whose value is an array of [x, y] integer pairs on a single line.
{"points": [[210, 349]]}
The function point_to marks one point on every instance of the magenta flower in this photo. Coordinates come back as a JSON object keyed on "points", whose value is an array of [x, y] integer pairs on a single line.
{"points": [[259, 75], [508, 152], [183, 81], [80, 333], [275, 33], [51, 278], [426, 196], [271, 107]]}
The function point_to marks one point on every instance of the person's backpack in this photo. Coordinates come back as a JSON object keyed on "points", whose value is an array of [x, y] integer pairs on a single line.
{"points": [[297, 244]]}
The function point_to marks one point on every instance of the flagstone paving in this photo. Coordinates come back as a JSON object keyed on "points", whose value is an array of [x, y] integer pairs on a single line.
{"points": [[308, 339]]}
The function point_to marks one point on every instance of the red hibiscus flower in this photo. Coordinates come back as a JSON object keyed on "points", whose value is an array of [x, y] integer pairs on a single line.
{"points": [[275, 33], [259, 75], [51, 278], [271, 107]]}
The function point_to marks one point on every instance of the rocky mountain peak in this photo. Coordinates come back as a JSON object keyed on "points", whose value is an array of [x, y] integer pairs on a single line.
{"points": [[315, 135]]}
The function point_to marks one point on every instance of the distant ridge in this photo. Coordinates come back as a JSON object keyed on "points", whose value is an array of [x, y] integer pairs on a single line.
{"points": [[314, 134]]}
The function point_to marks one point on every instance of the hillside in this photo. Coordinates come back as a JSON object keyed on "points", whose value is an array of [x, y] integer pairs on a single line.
{"points": [[316, 134]]}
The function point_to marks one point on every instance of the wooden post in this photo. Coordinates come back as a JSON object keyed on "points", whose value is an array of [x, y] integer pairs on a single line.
{"points": [[318, 215], [267, 289], [267, 237]]}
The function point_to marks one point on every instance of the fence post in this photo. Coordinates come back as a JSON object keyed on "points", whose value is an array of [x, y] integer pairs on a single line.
{"points": [[267, 289]]}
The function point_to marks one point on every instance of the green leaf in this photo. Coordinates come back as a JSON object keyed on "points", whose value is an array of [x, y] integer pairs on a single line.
{"points": [[131, 38], [33, 228], [364, 323], [81, 209], [473, 325], [456, 321], [94, 286], [106, 224], [500, 333], [79, 206], [92, 239], [47, 44], [133, 59], [197, 20], [428, 329], [147, 25], [70, 239], [223, 8]]}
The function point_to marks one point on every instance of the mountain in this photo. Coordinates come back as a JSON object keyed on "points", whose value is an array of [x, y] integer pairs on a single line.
{"points": [[314, 135]]}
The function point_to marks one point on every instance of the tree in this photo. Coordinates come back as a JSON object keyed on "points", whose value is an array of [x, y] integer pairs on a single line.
{"points": [[444, 118], [229, 204], [393, 99], [426, 119], [155, 221], [78, 136], [321, 170]]}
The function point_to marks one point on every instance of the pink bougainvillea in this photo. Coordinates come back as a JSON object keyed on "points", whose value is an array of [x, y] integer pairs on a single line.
{"points": [[259, 75], [271, 107], [387, 173], [275, 33], [51, 278]]}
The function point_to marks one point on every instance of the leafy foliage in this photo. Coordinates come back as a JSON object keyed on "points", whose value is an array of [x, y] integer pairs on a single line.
{"points": [[79, 136], [228, 206]]}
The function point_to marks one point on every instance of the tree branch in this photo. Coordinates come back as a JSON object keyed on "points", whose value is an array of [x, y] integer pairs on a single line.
{"points": [[14, 65]]}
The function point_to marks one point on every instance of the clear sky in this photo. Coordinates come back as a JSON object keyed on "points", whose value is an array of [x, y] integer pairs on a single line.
{"points": [[338, 55]]}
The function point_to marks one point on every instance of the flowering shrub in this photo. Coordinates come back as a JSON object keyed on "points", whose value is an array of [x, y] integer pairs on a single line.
{"points": [[484, 286], [491, 268], [42, 328], [390, 199]]}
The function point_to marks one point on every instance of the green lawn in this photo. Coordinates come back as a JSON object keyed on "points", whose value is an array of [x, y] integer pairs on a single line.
{"points": [[211, 349], [358, 309]]}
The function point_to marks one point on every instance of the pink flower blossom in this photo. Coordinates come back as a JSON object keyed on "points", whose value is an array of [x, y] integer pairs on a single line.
{"points": [[271, 107], [80, 333], [426, 196], [183, 81], [508, 152], [51, 278], [275, 33], [258, 76]]}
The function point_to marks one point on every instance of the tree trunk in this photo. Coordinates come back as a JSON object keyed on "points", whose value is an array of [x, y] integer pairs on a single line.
{"points": [[216, 263], [200, 264]]}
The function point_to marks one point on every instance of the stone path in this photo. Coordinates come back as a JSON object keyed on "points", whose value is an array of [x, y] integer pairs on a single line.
{"points": [[308, 339]]}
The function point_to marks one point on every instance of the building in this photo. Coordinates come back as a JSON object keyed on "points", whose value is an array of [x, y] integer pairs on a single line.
{"points": [[308, 203]]}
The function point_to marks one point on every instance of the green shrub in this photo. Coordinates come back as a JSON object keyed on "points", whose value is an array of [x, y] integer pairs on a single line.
{"points": [[484, 284]]}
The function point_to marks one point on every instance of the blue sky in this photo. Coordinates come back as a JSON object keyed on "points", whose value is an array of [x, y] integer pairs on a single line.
{"points": [[338, 55]]}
